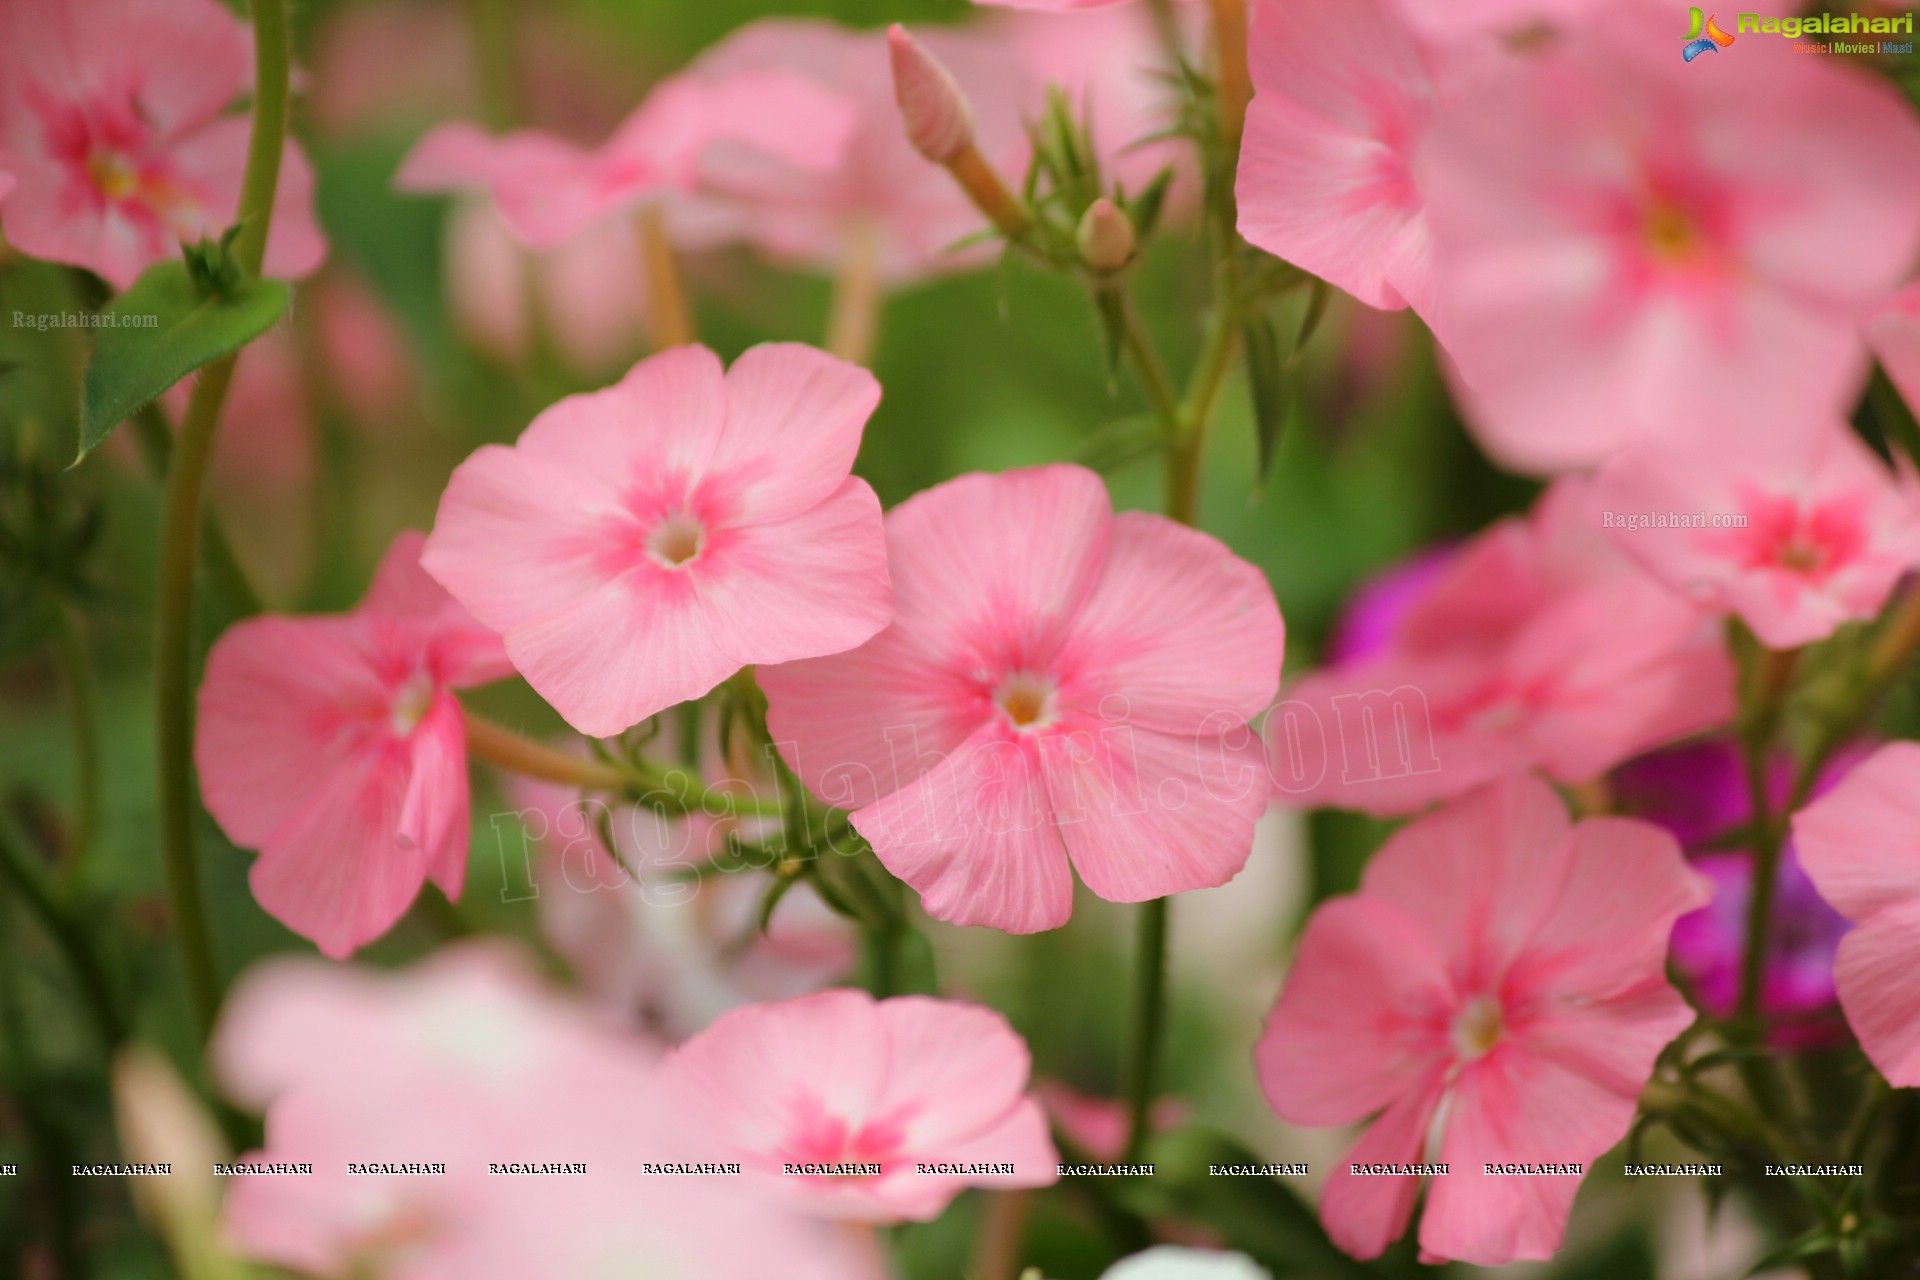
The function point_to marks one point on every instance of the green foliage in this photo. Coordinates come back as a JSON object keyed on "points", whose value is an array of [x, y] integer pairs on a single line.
{"points": [[177, 317]]}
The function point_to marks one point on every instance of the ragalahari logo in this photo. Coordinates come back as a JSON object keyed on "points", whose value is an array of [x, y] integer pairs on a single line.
{"points": [[1703, 35]]}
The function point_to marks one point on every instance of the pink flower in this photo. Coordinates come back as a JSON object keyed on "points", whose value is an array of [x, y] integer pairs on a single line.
{"points": [[1059, 684], [1827, 530], [111, 124], [1342, 96], [1616, 260], [1463, 21], [1495, 993], [588, 290], [690, 134], [1856, 843], [642, 543], [1538, 645], [880, 197], [335, 746], [840, 1079], [468, 1061], [1893, 332]]}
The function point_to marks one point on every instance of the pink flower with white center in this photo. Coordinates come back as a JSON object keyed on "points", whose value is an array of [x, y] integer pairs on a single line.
{"points": [[112, 125], [1858, 845], [880, 199], [1537, 645], [1617, 261], [692, 135], [1060, 685], [1827, 529], [843, 1083], [335, 746], [465, 1061], [1893, 333], [1342, 96], [642, 543], [1495, 993]]}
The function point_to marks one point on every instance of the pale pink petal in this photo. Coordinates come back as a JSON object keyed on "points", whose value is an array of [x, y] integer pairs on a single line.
{"points": [[1342, 96], [964, 1055], [975, 837], [1179, 628], [275, 718], [544, 186], [433, 814], [810, 584], [1857, 842], [1351, 1033], [794, 418], [213, 159], [1874, 972], [465, 653], [1512, 1108], [1893, 332], [1366, 1213], [336, 872], [1145, 814]]}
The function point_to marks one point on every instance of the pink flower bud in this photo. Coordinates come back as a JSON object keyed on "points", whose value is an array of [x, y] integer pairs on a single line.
{"points": [[1106, 236], [939, 121]]}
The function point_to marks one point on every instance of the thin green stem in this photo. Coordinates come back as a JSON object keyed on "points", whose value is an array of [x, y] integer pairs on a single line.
{"points": [[231, 586], [1148, 367], [1772, 678], [67, 936], [77, 666], [493, 62], [183, 517], [1149, 1013]]}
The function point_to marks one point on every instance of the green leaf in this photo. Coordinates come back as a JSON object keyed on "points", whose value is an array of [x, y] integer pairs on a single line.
{"points": [[133, 365], [1268, 376], [1310, 322], [1117, 443]]}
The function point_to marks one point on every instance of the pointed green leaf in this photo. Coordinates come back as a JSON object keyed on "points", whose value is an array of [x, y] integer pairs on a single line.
{"points": [[1267, 376], [1117, 443], [164, 329], [1111, 306]]}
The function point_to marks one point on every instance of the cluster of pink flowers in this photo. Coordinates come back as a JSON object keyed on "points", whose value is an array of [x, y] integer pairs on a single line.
{"points": [[1003, 683]]}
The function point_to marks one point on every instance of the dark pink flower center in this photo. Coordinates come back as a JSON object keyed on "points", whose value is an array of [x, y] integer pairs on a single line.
{"points": [[819, 1137], [1811, 540]]}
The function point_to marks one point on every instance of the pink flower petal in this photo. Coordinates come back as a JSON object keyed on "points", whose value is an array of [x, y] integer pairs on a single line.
{"points": [[1857, 841], [1874, 972], [794, 418], [1366, 1213]]}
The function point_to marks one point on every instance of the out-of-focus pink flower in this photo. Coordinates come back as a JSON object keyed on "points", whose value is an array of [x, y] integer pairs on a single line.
{"points": [[266, 441], [1856, 842], [690, 132], [880, 197], [1616, 262], [1371, 622], [1059, 684], [589, 291], [111, 124], [642, 543], [1893, 332], [1467, 21], [673, 953], [1342, 96], [1538, 646], [839, 1079], [1828, 530], [335, 746], [469, 1062], [369, 365], [1494, 994], [1098, 1126]]}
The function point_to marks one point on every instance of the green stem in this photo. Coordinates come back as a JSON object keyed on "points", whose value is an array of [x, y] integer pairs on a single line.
{"points": [[1148, 367], [1773, 678], [1149, 1013], [30, 883], [183, 517], [77, 665], [229, 581], [493, 60]]}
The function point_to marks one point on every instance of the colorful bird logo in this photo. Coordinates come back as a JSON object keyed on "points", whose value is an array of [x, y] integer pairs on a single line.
{"points": [[1703, 35]]}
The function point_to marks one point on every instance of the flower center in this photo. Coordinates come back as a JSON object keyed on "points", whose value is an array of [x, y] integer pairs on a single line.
{"points": [[1670, 233], [1478, 1027], [112, 174], [1027, 699], [411, 704], [677, 540]]}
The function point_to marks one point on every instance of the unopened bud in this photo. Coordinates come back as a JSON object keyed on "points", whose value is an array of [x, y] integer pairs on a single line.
{"points": [[1106, 236], [938, 118]]}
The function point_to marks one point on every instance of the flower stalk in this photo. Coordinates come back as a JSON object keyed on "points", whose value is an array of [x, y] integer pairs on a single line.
{"points": [[182, 520], [668, 310]]}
